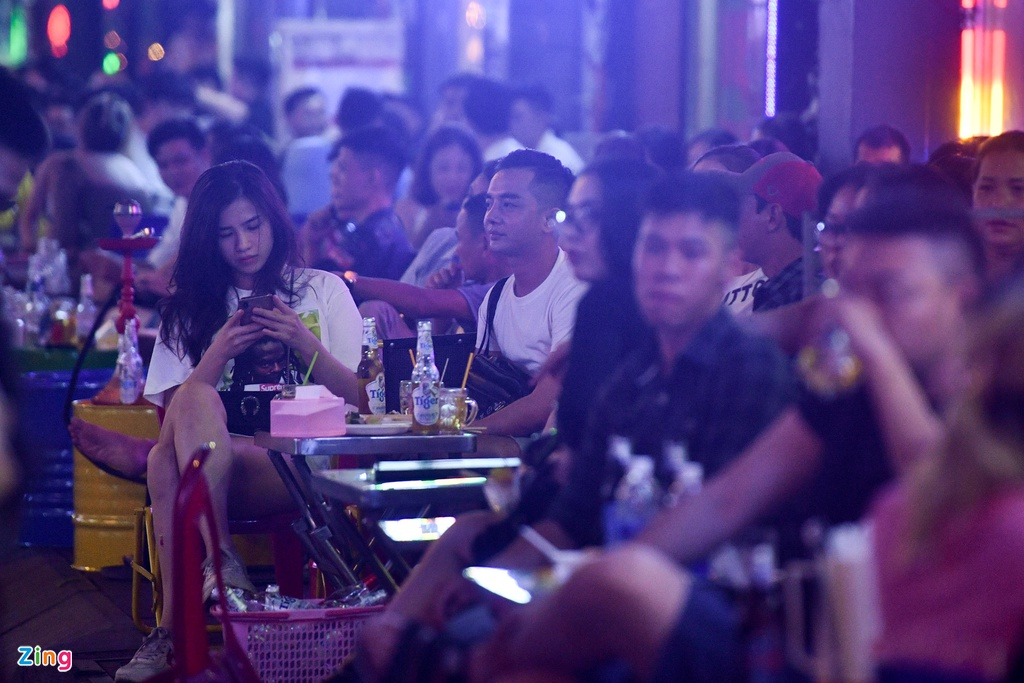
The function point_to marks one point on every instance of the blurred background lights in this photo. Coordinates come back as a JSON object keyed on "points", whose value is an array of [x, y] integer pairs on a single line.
{"points": [[111, 4], [58, 30], [155, 52], [111, 64], [476, 16], [474, 50], [111, 40], [19, 37]]}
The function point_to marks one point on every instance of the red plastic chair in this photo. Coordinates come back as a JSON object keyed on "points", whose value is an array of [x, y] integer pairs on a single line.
{"points": [[192, 658]]}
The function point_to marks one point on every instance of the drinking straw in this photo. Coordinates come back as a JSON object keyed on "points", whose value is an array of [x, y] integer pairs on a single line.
{"points": [[444, 370], [469, 364], [412, 358], [309, 370]]}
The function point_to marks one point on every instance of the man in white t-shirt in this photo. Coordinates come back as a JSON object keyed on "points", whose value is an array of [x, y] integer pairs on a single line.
{"points": [[537, 306]]}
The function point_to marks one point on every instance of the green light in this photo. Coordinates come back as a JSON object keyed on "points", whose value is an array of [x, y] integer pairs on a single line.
{"points": [[111, 64], [19, 37]]}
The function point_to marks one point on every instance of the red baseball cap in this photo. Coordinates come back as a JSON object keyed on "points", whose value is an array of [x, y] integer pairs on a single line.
{"points": [[782, 178]]}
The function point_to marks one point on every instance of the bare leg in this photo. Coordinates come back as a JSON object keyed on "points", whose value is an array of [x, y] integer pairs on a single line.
{"points": [[236, 471], [120, 452], [622, 606]]}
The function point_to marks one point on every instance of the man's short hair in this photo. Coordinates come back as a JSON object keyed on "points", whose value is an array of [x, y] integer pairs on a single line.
{"points": [[176, 129], [476, 208], [166, 86], [917, 201], [106, 122], [21, 127], [883, 136], [856, 176], [709, 195], [488, 106], [377, 145], [297, 97], [359, 107], [256, 70], [537, 96], [551, 180]]}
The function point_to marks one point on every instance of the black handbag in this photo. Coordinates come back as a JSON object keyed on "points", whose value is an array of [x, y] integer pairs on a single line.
{"points": [[494, 381]]}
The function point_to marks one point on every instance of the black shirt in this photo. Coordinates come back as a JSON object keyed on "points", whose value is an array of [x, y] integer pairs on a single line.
{"points": [[723, 390], [378, 246], [854, 463]]}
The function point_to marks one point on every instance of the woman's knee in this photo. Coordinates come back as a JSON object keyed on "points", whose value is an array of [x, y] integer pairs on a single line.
{"points": [[196, 400]]}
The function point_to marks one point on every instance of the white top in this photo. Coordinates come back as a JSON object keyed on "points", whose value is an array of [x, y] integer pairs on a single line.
{"points": [[739, 293], [561, 150], [526, 328], [502, 147], [325, 306], [166, 249]]}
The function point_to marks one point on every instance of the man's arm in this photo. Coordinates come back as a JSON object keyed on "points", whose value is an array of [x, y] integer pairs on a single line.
{"points": [[781, 460], [528, 414], [413, 301]]}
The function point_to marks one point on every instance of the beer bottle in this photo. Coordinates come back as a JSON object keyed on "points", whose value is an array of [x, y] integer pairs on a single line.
{"points": [[370, 372], [425, 383]]}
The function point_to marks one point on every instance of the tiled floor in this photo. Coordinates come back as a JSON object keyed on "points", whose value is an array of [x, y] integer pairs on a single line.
{"points": [[44, 602]]}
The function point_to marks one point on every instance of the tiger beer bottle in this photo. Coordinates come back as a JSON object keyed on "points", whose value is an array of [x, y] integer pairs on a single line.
{"points": [[425, 383], [370, 372]]}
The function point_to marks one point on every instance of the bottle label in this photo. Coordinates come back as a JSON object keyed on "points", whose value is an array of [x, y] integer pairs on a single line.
{"points": [[375, 395], [424, 404]]}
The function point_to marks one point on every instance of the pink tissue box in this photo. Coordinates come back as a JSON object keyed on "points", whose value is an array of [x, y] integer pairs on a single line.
{"points": [[313, 412]]}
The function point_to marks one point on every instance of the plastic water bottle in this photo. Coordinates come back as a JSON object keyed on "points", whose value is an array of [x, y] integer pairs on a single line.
{"points": [[37, 312], [272, 597], [85, 314], [129, 363], [638, 498]]}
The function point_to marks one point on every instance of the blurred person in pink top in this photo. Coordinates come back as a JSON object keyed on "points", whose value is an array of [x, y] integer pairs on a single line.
{"points": [[949, 539]]}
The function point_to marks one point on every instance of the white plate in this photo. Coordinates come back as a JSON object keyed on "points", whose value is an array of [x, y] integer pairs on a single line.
{"points": [[386, 429]]}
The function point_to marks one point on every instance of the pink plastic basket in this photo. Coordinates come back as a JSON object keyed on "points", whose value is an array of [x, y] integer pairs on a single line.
{"points": [[299, 645]]}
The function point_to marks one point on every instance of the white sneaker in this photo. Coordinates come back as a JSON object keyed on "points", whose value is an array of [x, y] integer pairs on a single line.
{"points": [[152, 658], [231, 569]]}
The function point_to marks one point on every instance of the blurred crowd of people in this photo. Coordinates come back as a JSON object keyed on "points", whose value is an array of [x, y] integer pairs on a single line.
{"points": [[825, 350]]}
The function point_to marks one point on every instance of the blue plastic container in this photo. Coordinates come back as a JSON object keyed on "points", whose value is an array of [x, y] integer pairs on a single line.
{"points": [[48, 502]]}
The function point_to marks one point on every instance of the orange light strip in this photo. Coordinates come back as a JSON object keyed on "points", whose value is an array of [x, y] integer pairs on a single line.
{"points": [[995, 125], [967, 124]]}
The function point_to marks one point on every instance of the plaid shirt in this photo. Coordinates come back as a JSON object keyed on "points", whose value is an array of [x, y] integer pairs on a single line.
{"points": [[724, 389], [787, 287]]}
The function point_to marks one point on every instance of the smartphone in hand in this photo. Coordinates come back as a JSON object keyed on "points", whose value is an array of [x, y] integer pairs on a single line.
{"points": [[249, 303]]}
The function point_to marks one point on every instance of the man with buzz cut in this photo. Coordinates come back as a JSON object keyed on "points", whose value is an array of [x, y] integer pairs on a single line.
{"points": [[536, 305]]}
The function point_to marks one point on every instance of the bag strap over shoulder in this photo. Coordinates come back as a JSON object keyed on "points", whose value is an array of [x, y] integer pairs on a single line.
{"points": [[492, 309]]}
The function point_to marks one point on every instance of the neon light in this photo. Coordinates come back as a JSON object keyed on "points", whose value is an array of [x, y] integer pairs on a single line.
{"points": [[967, 4], [771, 58], [966, 83], [995, 125], [19, 37], [58, 30]]}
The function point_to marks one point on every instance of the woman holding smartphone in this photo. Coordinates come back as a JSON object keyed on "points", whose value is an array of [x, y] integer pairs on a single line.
{"points": [[236, 242]]}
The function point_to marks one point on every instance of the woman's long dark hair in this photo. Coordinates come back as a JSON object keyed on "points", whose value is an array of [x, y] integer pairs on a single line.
{"points": [[198, 306], [624, 187]]}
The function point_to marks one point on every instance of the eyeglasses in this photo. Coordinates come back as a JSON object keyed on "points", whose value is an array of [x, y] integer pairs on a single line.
{"points": [[580, 220]]}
